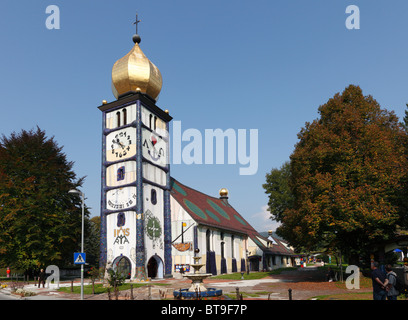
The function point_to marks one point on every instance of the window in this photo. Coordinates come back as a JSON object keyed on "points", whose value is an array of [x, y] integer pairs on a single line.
{"points": [[153, 196], [208, 240], [150, 121], [222, 246], [121, 174], [155, 123], [121, 220], [232, 247], [118, 119], [124, 112]]}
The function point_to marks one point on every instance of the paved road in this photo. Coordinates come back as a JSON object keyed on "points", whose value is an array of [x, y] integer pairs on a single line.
{"points": [[4, 296]]}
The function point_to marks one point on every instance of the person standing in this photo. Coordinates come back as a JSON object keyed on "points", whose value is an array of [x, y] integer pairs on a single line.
{"points": [[41, 278], [390, 282], [378, 278]]}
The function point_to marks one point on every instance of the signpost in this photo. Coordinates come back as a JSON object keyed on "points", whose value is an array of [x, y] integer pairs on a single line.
{"points": [[81, 255], [79, 258]]}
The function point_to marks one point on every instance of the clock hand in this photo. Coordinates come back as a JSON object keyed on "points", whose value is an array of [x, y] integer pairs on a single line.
{"points": [[117, 141]]}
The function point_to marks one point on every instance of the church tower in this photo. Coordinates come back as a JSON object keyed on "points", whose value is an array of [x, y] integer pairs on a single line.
{"points": [[135, 186]]}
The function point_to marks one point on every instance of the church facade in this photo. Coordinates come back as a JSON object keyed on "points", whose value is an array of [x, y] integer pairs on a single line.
{"points": [[227, 242], [151, 224]]}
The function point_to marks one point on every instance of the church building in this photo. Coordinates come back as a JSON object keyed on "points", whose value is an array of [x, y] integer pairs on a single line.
{"points": [[152, 224]]}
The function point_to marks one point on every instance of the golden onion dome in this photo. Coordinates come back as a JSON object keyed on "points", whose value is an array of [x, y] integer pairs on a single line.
{"points": [[135, 72]]}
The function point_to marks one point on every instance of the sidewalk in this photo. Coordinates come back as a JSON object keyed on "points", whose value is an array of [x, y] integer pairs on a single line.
{"points": [[50, 293]]}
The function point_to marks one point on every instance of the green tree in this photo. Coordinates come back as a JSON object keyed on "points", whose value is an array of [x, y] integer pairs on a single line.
{"points": [[40, 223], [280, 195], [92, 241], [347, 176]]}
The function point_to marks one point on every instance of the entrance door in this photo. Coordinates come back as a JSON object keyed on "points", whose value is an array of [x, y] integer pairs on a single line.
{"points": [[155, 267], [152, 268], [254, 264], [123, 266]]}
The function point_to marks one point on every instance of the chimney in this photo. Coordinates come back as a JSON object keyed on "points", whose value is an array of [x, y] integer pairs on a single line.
{"points": [[271, 241]]}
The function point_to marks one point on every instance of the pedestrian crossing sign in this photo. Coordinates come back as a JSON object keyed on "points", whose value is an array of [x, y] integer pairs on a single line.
{"points": [[79, 257]]}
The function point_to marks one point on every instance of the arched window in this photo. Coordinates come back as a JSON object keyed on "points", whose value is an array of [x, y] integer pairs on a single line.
{"points": [[155, 123], [118, 119], [153, 196], [222, 246], [232, 246], [124, 111], [121, 173], [208, 240], [150, 121], [121, 220]]}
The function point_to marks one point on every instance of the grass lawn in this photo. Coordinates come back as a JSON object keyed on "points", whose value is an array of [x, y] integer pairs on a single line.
{"points": [[99, 288], [233, 295]]}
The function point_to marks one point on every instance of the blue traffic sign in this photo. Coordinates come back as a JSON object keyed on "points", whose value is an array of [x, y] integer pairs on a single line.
{"points": [[79, 257]]}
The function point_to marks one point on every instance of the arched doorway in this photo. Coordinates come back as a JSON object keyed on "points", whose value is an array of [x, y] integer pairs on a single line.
{"points": [[155, 267], [123, 266]]}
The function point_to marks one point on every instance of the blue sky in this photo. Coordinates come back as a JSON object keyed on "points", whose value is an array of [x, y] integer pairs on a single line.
{"points": [[265, 65]]}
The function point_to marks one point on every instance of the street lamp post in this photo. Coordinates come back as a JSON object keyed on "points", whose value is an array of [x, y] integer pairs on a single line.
{"points": [[82, 238]]}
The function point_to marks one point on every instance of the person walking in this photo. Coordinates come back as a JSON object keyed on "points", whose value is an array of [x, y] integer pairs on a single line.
{"points": [[378, 278], [392, 292], [41, 278]]}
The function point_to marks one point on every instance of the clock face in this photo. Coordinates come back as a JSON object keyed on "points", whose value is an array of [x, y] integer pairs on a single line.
{"points": [[121, 144], [154, 148], [121, 198]]}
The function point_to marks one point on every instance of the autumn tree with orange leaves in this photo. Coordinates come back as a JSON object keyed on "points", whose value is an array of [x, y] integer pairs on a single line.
{"points": [[347, 177]]}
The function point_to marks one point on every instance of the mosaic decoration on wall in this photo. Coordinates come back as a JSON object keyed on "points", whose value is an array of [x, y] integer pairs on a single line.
{"points": [[153, 229]]}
